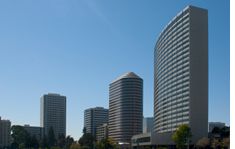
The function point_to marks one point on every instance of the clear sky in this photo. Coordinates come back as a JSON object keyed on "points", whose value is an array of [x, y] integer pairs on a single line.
{"points": [[77, 47]]}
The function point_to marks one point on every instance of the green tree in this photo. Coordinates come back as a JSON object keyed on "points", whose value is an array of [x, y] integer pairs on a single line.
{"points": [[86, 141], [61, 141], [34, 142], [51, 137], [203, 143], [75, 146], [107, 143], [21, 137], [226, 142], [182, 136], [69, 142], [44, 142]]}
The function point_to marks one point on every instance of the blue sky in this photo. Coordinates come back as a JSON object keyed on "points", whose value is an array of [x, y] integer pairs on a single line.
{"points": [[77, 47]]}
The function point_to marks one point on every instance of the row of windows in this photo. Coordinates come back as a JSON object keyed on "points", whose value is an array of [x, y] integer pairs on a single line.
{"points": [[170, 27], [174, 42], [170, 123], [177, 113], [169, 114], [166, 90], [161, 53], [166, 59], [172, 76], [173, 80], [174, 83], [170, 127], [173, 121], [172, 59], [172, 50], [174, 99], [173, 39], [177, 102]]}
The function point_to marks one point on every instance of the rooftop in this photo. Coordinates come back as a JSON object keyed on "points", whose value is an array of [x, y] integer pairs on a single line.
{"points": [[127, 75]]}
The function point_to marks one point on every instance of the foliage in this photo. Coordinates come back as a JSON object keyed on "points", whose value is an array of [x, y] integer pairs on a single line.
{"points": [[86, 140], [162, 147], [226, 142], [69, 141], [51, 137], [215, 143], [44, 142], [203, 143], [34, 142], [20, 137], [106, 143], [182, 136], [223, 132], [61, 141], [75, 146]]}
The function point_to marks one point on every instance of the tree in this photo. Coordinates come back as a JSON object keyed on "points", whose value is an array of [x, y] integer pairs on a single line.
{"points": [[84, 130], [69, 141], [44, 142], [203, 143], [216, 130], [61, 141], [182, 136], [75, 146], [34, 142], [226, 142], [51, 137], [216, 143], [86, 140], [21, 137], [106, 143]]}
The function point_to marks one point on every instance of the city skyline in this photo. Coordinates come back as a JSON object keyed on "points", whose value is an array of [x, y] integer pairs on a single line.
{"points": [[56, 60]]}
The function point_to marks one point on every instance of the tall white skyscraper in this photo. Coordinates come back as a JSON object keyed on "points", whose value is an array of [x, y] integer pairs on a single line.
{"points": [[53, 114], [181, 76]]}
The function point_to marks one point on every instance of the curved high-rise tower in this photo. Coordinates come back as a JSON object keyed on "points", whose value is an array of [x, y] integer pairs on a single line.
{"points": [[181, 75], [125, 107]]}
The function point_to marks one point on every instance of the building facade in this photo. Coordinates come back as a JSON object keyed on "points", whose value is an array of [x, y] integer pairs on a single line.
{"points": [[53, 114], [102, 132], [181, 76], [94, 117], [125, 108], [147, 124], [34, 131], [5, 133]]}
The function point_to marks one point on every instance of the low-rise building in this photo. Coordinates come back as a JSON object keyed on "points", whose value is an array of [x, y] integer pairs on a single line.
{"points": [[34, 131], [102, 132], [143, 140]]}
